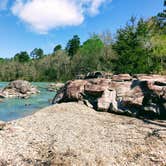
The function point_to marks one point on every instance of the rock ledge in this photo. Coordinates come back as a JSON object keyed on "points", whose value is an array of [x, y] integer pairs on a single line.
{"points": [[138, 95]]}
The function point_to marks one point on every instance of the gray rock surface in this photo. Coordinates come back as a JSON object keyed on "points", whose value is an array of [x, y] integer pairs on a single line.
{"points": [[18, 88], [72, 134]]}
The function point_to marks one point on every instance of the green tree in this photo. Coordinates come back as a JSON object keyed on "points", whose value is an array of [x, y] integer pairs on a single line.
{"points": [[37, 53], [22, 57], [159, 52], [73, 46], [109, 56], [2, 60], [57, 47], [132, 49], [88, 57]]}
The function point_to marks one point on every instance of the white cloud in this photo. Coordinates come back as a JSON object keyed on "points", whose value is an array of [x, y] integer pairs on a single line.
{"points": [[44, 15], [93, 5], [3, 4]]}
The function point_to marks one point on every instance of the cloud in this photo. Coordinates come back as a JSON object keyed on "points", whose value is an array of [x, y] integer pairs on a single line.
{"points": [[3, 4], [93, 5], [44, 15]]}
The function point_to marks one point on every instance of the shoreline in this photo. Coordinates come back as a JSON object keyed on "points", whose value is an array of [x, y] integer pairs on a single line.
{"points": [[14, 108]]}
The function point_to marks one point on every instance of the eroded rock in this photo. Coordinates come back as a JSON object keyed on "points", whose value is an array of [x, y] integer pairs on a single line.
{"points": [[18, 88], [139, 95]]}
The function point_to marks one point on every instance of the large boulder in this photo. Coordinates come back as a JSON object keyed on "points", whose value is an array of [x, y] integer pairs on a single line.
{"points": [[96, 92], [20, 85], [138, 95], [18, 88], [72, 91]]}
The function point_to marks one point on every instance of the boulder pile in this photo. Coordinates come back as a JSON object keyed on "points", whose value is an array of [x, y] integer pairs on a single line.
{"points": [[137, 95], [18, 88]]}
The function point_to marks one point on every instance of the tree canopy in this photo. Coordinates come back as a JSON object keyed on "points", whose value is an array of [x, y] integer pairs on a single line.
{"points": [[37, 53], [73, 45], [57, 47], [22, 57]]}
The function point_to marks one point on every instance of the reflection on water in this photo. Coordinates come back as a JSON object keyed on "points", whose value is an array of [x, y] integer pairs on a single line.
{"points": [[11, 109]]}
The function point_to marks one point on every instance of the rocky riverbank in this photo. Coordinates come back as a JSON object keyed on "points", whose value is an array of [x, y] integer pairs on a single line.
{"points": [[137, 95], [73, 134]]}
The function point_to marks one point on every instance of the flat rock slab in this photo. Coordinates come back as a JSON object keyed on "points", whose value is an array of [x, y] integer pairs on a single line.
{"points": [[73, 134]]}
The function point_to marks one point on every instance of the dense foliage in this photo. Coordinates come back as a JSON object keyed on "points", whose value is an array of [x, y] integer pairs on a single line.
{"points": [[138, 47]]}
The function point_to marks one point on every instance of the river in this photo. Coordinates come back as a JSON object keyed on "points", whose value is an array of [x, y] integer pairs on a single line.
{"points": [[11, 109]]}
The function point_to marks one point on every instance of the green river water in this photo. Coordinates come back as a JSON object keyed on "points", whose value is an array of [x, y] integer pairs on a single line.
{"points": [[11, 109]]}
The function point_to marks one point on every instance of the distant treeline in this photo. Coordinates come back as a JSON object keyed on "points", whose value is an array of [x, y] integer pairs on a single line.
{"points": [[139, 47]]}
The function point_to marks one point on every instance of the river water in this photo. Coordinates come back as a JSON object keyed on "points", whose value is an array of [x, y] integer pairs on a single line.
{"points": [[11, 109]]}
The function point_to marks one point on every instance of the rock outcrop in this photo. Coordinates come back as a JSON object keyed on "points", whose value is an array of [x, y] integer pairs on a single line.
{"points": [[138, 95], [18, 88], [70, 134]]}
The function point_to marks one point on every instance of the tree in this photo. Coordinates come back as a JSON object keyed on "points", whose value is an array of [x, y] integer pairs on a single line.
{"points": [[131, 47], [2, 60], [22, 57], [159, 52], [73, 46], [109, 55], [37, 53], [57, 47], [88, 57]]}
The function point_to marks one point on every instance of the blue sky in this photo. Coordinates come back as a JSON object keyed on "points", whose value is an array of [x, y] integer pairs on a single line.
{"points": [[29, 24]]}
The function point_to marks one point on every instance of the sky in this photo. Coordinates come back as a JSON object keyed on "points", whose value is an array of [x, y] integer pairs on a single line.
{"points": [[29, 24]]}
